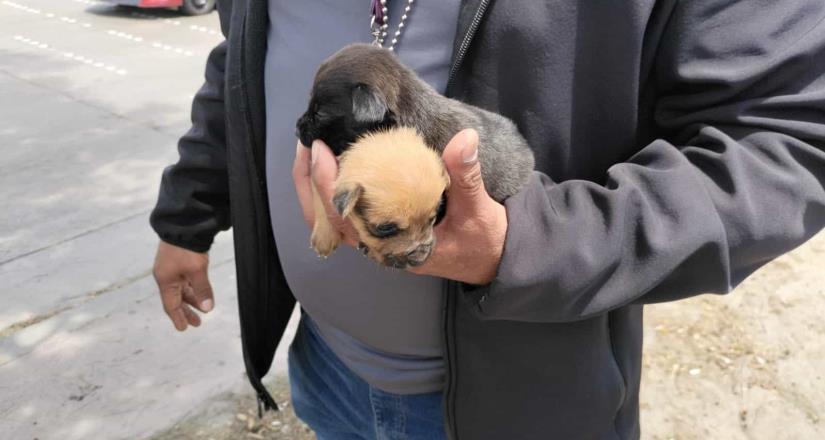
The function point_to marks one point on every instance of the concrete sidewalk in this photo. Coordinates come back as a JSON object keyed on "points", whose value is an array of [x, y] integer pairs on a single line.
{"points": [[92, 101]]}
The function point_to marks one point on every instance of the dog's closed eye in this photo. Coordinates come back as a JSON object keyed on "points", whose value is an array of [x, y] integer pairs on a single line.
{"points": [[384, 230]]}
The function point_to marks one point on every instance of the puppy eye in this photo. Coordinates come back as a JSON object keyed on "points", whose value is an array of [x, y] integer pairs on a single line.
{"points": [[385, 230]]}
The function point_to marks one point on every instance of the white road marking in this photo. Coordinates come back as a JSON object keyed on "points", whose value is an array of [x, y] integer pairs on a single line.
{"points": [[70, 55], [64, 19], [204, 29], [123, 35], [23, 8], [169, 21], [157, 45]]}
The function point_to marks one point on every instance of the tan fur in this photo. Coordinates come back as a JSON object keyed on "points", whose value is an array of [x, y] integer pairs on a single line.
{"points": [[401, 181], [325, 238]]}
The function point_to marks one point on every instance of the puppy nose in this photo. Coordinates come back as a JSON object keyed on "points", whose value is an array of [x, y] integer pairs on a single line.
{"points": [[302, 130], [395, 262], [300, 126], [423, 249]]}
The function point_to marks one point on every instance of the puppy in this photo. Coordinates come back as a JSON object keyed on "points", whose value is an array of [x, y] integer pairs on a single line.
{"points": [[391, 186], [363, 88]]}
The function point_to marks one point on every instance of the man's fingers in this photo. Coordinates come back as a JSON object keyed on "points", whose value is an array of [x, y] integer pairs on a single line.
{"points": [[171, 296], [301, 176], [461, 158], [202, 297], [178, 319], [301, 165], [189, 300], [191, 317], [324, 173]]}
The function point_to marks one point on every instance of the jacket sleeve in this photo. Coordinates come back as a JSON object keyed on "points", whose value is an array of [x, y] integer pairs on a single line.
{"points": [[736, 181], [193, 203]]}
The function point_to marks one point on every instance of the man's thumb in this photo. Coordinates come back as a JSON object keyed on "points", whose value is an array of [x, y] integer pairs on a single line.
{"points": [[461, 158]]}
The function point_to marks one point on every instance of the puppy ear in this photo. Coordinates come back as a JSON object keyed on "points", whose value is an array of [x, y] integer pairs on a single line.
{"points": [[345, 198], [368, 104]]}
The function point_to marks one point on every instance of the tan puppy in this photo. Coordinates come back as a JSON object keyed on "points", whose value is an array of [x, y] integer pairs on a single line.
{"points": [[391, 186]]}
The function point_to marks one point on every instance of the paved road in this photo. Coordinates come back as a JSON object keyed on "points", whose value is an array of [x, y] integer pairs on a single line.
{"points": [[92, 101]]}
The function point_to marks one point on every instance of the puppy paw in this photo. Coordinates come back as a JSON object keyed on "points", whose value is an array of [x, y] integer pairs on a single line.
{"points": [[324, 239]]}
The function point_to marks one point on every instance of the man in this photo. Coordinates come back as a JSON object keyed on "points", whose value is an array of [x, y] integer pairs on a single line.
{"points": [[679, 147]]}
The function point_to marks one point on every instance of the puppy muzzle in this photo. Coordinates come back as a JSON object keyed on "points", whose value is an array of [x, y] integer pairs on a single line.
{"points": [[413, 258]]}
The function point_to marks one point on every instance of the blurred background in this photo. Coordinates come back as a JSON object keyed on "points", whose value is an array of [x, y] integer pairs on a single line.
{"points": [[93, 97]]}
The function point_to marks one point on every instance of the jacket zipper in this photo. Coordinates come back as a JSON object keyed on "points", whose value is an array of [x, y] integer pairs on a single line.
{"points": [[465, 43], [450, 286], [450, 369]]}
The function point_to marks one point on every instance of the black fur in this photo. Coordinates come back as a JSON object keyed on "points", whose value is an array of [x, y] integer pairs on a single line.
{"points": [[341, 113]]}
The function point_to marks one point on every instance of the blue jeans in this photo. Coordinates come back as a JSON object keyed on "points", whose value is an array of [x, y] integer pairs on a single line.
{"points": [[338, 405]]}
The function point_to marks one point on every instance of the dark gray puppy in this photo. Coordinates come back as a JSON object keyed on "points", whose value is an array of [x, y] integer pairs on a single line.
{"points": [[363, 88]]}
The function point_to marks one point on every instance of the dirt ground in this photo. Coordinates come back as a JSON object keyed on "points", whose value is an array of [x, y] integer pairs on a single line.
{"points": [[234, 416], [748, 365]]}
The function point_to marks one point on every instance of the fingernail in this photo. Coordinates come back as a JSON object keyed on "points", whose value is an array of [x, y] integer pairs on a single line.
{"points": [[206, 305], [469, 154], [315, 152], [298, 147]]}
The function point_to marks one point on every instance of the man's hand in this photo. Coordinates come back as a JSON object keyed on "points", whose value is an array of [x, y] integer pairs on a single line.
{"points": [[183, 283], [320, 166], [470, 239]]}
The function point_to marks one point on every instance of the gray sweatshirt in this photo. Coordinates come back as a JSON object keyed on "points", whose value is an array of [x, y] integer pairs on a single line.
{"points": [[385, 325]]}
